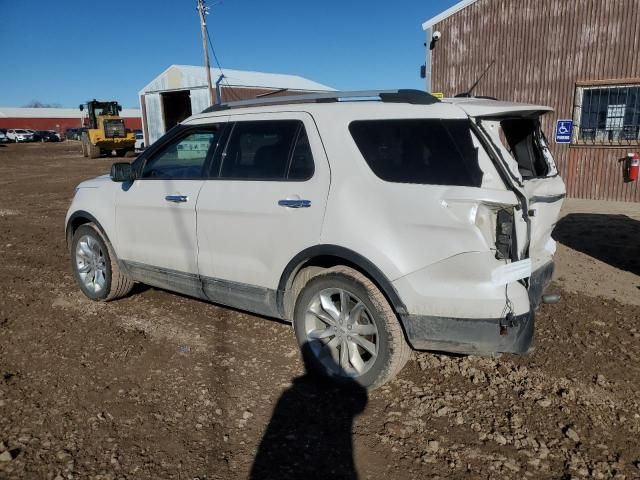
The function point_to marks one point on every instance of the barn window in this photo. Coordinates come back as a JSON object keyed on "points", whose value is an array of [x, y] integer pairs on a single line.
{"points": [[607, 114]]}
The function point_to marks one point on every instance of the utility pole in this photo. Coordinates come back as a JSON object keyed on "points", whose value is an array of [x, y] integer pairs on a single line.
{"points": [[202, 11]]}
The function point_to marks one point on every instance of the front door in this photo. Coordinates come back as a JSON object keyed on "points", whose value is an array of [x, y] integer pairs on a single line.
{"points": [[265, 206], [156, 214]]}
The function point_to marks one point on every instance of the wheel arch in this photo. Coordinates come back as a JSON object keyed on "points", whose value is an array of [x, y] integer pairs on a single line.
{"points": [[326, 256], [79, 218]]}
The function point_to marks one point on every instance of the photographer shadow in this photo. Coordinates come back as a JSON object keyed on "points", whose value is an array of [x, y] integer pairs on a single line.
{"points": [[310, 432]]}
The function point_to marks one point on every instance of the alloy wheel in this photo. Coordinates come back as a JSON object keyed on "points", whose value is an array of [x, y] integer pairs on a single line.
{"points": [[341, 332], [91, 264]]}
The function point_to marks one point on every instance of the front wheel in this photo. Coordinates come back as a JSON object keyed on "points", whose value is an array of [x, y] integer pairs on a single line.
{"points": [[95, 266], [347, 330]]}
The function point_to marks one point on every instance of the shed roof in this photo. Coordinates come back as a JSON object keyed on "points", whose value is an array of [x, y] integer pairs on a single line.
{"points": [[447, 13], [18, 112], [192, 76]]}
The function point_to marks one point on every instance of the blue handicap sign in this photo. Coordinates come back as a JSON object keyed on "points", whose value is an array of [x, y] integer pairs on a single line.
{"points": [[564, 130]]}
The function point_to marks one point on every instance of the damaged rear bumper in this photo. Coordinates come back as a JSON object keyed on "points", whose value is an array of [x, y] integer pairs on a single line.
{"points": [[480, 336]]}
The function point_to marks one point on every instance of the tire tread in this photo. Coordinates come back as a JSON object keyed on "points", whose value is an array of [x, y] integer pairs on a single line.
{"points": [[121, 284], [400, 349]]}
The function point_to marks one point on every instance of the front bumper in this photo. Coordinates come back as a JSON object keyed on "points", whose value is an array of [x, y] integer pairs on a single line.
{"points": [[480, 336]]}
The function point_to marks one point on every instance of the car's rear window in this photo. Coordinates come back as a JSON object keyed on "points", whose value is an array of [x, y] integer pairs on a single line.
{"points": [[424, 151]]}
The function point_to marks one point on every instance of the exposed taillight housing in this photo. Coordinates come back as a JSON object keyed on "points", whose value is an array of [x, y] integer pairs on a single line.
{"points": [[504, 234]]}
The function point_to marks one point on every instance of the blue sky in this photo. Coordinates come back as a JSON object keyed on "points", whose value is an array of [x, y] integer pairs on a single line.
{"points": [[67, 52]]}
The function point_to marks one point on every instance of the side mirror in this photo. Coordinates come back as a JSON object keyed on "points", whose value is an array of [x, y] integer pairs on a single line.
{"points": [[81, 107], [119, 108], [122, 172]]}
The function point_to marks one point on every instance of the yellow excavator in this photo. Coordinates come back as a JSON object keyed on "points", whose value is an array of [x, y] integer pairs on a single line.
{"points": [[105, 130]]}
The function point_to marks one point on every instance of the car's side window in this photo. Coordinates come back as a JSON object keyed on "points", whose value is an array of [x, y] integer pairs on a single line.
{"points": [[421, 151], [267, 150], [184, 157]]}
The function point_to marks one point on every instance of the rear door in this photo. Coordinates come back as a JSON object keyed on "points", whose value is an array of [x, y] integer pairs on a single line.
{"points": [[264, 204]]}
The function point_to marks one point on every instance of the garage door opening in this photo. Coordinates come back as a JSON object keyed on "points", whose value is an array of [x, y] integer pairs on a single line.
{"points": [[176, 106]]}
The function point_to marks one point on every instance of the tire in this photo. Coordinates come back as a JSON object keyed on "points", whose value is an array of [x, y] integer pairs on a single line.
{"points": [[94, 151], [89, 249], [372, 313], [85, 150], [121, 152]]}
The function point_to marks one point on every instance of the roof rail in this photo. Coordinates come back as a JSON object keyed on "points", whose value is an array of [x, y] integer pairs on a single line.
{"points": [[414, 97]]}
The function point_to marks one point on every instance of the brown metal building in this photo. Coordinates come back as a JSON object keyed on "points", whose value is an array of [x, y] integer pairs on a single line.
{"points": [[581, 57]]}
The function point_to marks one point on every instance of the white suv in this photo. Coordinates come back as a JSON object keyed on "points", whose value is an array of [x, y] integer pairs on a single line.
{"points": [[376, 225], [19, 135]]}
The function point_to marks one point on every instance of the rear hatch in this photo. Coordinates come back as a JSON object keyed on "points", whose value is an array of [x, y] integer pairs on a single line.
{"points": [[518, 144]]}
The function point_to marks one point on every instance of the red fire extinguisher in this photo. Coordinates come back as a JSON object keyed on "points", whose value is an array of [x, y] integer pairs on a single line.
{"points": [[631, 167]]}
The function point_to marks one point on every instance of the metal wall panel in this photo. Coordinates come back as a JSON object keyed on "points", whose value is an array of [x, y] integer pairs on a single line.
{"points": [[542, 48], [154, 117], [199, 100]]}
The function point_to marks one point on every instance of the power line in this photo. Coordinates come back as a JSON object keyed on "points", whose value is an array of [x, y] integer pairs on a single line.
{"points": [[219, 65]]}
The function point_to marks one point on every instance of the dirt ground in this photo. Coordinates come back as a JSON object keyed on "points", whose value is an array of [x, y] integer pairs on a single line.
{"points": [[158, 385]]}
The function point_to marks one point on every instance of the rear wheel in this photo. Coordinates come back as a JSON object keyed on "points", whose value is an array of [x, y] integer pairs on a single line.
{"points": [[95, 266], [347, 330], [85, 150], [121, 152], [94, 151]]}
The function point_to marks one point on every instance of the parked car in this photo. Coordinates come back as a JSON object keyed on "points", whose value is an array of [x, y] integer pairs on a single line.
{"points": [[46, 136], [374, 226], [3, 136], [19, 135], [57, 134], [34, 134], [72, 134], [139, 145]]}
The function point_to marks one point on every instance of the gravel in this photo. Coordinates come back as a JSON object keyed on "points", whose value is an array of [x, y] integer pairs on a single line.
{"points": [[111, 391]]}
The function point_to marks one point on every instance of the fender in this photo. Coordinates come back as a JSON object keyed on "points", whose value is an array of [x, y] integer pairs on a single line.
{"points": [[351, 257], [83, 214]]}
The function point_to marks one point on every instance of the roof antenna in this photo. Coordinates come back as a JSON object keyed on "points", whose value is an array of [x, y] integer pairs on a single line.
{"points": [[473, 87]]}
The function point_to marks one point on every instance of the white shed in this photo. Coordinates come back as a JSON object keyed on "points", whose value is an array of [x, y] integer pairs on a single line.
{"points": [[181, 91]]}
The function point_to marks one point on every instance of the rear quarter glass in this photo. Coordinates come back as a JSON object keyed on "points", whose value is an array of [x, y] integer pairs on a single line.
{"points": [[421, 151]]}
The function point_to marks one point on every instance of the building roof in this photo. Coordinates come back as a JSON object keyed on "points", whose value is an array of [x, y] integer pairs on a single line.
{"points": [[191, 76], [17, 112], [447, 13]]}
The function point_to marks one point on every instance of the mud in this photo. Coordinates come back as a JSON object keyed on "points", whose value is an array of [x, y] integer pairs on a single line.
{"points": [[158, 385]]}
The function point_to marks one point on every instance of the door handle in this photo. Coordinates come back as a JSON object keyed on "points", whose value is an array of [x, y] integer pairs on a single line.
{"points": [[176, 198], [294, 203]]}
